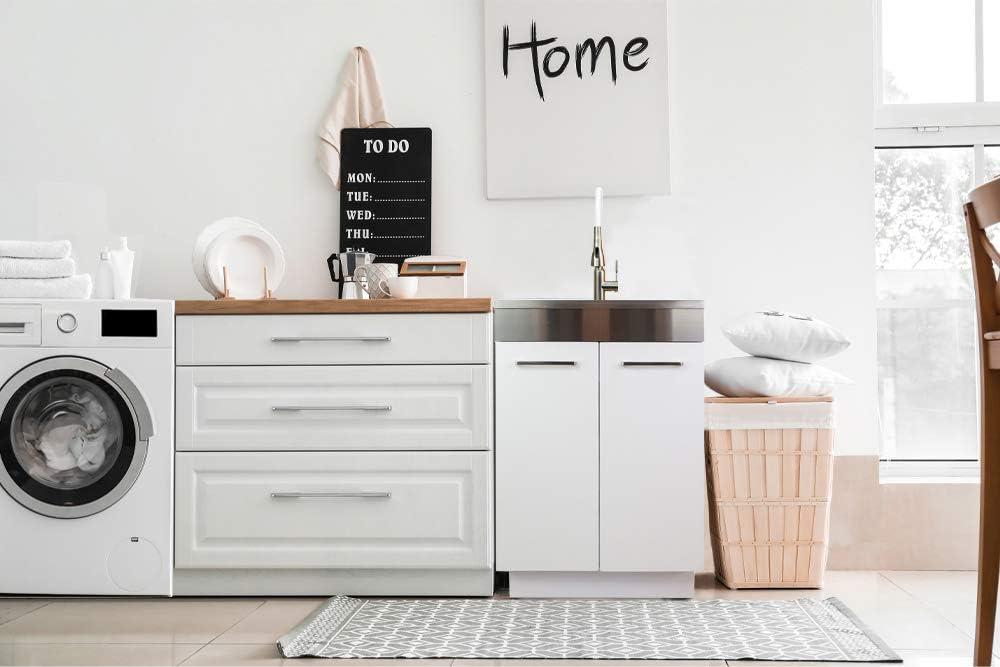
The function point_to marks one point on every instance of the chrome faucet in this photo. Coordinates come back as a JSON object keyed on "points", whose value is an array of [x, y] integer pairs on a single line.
{"points": [[601, 284]]}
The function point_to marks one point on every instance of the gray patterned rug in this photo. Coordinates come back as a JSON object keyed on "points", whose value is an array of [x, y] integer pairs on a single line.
{"points": [[345, 627]]}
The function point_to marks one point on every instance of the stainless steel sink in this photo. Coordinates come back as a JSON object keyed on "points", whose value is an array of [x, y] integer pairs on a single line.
{"points": [[614, 321]]}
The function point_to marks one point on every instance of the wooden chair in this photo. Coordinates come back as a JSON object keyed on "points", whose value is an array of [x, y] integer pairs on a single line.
{"points": [[983, 211]]}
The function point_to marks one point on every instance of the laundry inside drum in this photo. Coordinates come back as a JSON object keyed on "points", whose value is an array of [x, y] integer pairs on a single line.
{"points": [[67, 433]]}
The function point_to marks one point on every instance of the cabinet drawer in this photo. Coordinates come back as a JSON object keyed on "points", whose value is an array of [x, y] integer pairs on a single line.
{"points": [[277, 340], [222, 408], [333, 510]]}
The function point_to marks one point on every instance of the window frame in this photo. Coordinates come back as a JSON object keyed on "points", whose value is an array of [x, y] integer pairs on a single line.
{"points": [[948, 114], [974, 125]]}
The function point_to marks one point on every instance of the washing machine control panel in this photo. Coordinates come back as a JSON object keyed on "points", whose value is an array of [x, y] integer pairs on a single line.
{"points": [[99, 323], [128, 323], [66, 322], [68, 326]]}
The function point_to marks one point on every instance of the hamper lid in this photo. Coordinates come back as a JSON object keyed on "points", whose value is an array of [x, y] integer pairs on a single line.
{"points": [[768, 413]]}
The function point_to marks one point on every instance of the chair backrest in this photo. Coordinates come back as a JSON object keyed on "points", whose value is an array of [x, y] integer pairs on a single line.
{"points": [[981, 213]]}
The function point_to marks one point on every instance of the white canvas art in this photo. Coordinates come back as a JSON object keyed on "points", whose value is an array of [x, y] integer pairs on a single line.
{"points": [[576, 96]]}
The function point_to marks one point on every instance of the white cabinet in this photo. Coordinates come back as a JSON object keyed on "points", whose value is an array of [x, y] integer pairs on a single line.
{"points": [[333, 510], [600, 473], [547, 456], [288, 408], [652, 486], [334, 454]]}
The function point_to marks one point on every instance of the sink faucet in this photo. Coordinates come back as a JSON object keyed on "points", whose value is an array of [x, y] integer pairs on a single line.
{"points": [[601, 284]]}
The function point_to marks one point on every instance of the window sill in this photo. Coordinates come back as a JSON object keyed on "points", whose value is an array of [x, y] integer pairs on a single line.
{"points": [[929, 472], [948, 115]]}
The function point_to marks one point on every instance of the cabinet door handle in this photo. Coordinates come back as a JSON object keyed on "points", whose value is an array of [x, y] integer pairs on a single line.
{"points": [[330, 339], [13, 327], [331, 408], [331, 494], [652, 363], [546, 363]]}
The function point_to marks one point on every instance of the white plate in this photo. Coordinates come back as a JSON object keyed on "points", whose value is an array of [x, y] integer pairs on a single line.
{"points": [[210, 233], [245, 252]]}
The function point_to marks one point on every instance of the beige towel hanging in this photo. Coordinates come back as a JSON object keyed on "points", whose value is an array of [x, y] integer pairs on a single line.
{"points": [[358, 103]]}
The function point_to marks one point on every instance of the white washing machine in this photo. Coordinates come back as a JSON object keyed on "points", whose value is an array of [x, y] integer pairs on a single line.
{"points": [[86, 442]]}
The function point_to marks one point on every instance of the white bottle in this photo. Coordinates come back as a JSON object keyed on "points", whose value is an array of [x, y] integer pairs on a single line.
{"points": [[122, 260], [104, 283]]}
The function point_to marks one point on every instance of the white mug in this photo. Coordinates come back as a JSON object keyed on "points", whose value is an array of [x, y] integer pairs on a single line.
{"points": [[403, 287], [374, 278]]}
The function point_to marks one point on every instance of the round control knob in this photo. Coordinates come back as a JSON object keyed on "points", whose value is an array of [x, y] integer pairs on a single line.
{"points": [[66, 323]]}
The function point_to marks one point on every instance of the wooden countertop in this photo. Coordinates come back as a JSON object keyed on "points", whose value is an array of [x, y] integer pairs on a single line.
{"points": [[342, 306]]}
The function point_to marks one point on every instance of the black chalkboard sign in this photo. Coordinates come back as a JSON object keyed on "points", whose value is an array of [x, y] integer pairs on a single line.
{"points": [[385, 192]]}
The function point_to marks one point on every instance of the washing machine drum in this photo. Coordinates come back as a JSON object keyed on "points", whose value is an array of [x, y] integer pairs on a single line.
{"points": [[71, 440]]}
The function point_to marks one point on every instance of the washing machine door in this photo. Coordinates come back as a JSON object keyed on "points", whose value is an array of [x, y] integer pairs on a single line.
{"points": [[73, 436]]}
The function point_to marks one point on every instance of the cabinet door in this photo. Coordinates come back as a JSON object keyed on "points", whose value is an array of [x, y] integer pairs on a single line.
{"points": [[547, 457], [652, 458]]}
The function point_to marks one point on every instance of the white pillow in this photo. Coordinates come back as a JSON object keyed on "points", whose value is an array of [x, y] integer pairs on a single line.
{"points": [[756, 376], [785, 336]]}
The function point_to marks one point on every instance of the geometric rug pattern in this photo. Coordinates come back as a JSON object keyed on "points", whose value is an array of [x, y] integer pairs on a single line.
{"points": [[803, 629]]}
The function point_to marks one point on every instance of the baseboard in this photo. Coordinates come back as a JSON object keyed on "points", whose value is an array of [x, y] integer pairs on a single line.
{"points": [[921, 526], [473, 583], [601, 584]]}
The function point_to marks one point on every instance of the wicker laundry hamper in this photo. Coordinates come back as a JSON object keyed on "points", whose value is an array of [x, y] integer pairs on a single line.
{"points": [[769, 469]]}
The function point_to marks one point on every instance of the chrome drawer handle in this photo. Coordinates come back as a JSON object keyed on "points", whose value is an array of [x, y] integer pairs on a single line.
{"points": [[13, 327], [331, 408], [330, 339], [546, 363], [331, 494], [652, 363]]}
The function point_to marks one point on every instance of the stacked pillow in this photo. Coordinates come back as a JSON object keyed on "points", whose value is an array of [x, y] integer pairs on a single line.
{"points": [[784, 347]]}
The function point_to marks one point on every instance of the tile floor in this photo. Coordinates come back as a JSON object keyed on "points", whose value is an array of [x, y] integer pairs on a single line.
{"points": [[927, 617]]}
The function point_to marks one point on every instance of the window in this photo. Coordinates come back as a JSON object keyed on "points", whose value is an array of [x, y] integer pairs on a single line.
{"points": [[926, 354], [937, 135], [991, 51], [914, 73], [992, 162]]}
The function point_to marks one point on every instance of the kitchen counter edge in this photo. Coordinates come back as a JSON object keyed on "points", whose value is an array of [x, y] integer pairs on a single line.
{"points": [[332, 306]]}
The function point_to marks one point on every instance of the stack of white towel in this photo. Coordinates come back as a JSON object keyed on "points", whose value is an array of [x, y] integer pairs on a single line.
{"points": [[41, 270]]}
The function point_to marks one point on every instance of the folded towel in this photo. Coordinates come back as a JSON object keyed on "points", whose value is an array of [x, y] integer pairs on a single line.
{"points": [[20, 267], [358, 103], [35, 249], [73, 287]]}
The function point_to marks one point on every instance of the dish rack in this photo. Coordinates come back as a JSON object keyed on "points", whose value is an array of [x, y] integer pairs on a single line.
{"points": [[226, 296]]}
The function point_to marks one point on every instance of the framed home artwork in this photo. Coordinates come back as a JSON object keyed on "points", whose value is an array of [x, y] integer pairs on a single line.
{"points": [[576, 96]]}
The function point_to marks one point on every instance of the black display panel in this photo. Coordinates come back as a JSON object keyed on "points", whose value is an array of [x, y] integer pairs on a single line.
{"points": [[385, 192], [128, 323]]}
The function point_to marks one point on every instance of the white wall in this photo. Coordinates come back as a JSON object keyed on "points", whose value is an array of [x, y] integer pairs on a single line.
{"points": [[154, 118]]}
